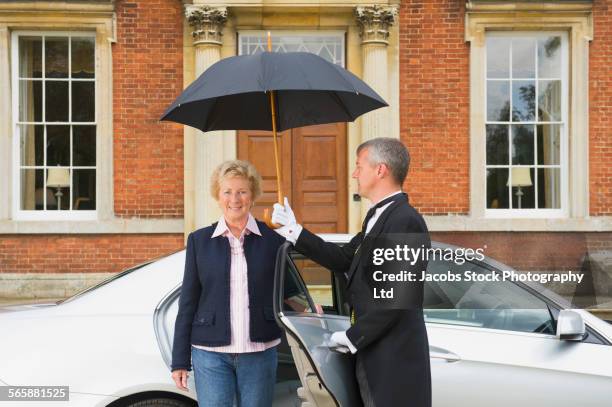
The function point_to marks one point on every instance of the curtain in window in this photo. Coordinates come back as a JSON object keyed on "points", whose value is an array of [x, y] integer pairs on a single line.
{"points": [[28, 142]]}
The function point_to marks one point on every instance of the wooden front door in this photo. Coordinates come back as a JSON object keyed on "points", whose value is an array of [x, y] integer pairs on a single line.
{"points": [[314, 168]]}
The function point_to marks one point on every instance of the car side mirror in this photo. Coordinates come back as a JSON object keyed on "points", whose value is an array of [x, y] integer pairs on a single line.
{"points": [[570, 326]]}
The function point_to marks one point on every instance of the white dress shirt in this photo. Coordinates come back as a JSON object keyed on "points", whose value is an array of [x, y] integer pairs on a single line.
{"points": [[379, 211]]}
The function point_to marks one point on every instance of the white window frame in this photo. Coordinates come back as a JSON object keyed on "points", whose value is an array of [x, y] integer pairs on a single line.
{"points": [[46, 214], [304, 33], [576, 20], [563, 211]]}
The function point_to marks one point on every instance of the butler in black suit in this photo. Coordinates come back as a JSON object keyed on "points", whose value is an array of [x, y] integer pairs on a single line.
{"points": [[390, 343]]}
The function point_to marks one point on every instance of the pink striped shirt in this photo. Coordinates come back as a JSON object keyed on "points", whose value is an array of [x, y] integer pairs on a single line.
{"points": [[239, 294]]}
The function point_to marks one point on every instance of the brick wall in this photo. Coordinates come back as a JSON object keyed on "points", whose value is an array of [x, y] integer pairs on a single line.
{"points": [[147, 76], [434, 104], [600, 110], [82, 253]]}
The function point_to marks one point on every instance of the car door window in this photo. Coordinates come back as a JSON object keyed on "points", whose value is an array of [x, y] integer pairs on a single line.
{"points": [[319, 281], [296, 294], [495, 305]]}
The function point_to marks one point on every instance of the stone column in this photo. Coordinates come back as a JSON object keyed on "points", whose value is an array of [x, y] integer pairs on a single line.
{"points": [[374, 23], [206, 152]]}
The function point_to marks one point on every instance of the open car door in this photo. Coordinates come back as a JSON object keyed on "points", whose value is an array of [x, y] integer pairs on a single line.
{"points": [[327, 376]]}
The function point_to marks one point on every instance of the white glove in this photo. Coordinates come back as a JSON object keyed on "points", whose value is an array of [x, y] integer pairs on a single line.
{"points": [[283, 215], [339, 338]]}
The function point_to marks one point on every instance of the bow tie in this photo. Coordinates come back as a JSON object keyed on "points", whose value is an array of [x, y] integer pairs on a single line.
{"points": [[380, 204]]}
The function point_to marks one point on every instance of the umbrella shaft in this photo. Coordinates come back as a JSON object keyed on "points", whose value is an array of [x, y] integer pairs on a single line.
{"points": [[276, 161], [276, 157]]}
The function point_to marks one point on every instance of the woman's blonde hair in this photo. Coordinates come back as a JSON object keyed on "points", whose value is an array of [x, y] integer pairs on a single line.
{"points": [[235, 168]]}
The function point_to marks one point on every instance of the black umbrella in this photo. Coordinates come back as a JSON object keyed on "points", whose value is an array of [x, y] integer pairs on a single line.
{"points": [[233, 94], [272, 91]]}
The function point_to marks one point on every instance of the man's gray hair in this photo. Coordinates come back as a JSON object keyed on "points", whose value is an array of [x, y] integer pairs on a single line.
{"points": [[391, 152]]}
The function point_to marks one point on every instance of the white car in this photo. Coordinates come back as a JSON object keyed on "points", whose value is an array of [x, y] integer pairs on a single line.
{"points": [[513, 345]]}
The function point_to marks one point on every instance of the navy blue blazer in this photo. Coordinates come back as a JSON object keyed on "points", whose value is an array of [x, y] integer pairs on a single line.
{"points": [[204, 306]]}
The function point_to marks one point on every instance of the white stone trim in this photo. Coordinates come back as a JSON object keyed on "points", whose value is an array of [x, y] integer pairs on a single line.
{"points": [[293, 3], [57, 6], [527, 5], [5, 123], [113, 226], [20, 286]]}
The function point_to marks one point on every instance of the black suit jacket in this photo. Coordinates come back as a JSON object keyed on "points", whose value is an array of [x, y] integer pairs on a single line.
{"points": [[392, 342]]}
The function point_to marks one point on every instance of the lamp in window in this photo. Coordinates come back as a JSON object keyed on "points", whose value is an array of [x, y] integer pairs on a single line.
{"points": [[521, 177], [58, 178]]}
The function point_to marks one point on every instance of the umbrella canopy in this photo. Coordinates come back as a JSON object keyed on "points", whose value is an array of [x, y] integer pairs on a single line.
{"points": [[232, 94]]}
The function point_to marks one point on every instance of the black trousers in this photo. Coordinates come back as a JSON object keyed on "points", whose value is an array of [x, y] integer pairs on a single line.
{"points": [[362, 380]]}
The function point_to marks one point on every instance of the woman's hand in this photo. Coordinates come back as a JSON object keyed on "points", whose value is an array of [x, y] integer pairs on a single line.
{"points": [[319, 309], [180, 378]]}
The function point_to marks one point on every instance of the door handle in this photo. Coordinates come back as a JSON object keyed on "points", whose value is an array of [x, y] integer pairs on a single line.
{"points": [[439, 353]]}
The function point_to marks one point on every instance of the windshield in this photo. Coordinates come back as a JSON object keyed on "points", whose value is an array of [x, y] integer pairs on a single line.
{"points": [[103, 282], [114, 277]]}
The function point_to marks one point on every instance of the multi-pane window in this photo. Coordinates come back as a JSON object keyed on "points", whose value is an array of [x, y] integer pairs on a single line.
{"points": [[526, 122], [327, 45], [55, 122]]}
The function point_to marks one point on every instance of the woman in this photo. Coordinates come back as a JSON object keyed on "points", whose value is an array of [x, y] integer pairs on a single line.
{"points": [[225, 320]]}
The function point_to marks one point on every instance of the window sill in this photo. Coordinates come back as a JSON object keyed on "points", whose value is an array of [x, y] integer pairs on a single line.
{"points": [[54, 215], [113, 226], [459, 223], [514, 214]]}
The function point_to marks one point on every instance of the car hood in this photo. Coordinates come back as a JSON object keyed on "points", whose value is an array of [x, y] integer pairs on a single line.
{"points": [[25, 307]]}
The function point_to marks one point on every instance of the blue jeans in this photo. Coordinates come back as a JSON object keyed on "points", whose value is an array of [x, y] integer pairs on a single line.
{"points": [[247, 377]]}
